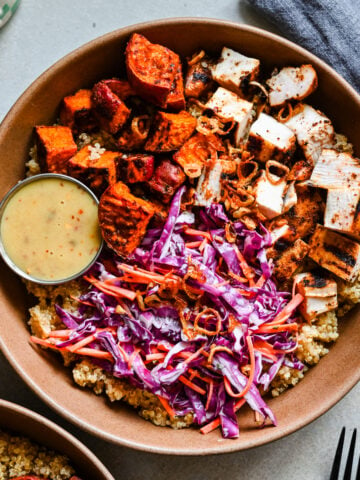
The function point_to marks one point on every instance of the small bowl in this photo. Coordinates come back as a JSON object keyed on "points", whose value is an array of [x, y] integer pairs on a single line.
{"points": [[21, 421], [3, 204], [323, 385]]}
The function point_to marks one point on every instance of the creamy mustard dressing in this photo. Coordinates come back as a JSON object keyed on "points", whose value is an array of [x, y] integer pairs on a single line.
{"points": [[49, 229]]}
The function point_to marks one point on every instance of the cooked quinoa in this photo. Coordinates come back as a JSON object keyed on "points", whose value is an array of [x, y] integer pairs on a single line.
{"points": [[20, 456], [314, 340]]}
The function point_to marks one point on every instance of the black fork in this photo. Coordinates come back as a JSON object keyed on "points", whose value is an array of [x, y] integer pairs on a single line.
{"points": [[349, 461]]}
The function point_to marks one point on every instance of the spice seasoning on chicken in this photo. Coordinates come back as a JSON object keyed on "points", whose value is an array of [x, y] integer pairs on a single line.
{"points": [[49, 228]]}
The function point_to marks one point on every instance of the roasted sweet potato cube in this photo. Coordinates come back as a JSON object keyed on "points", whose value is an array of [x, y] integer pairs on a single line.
{"points": [[196, 151], [121, 88], [170, 131], [151, 69], [167, 179], [198, 79], [110, 110], [95, 167], [176, 99], [76, 112], [55, 146], [135, 168], [123, 218]]}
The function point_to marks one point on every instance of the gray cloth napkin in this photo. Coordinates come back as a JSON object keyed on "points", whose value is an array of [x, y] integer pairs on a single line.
{"points": [[328, 28]]}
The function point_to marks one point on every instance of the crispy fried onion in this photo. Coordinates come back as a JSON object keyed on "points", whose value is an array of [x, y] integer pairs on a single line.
{"points": [[208, 126], [140, 126], [218, 348], [196, 57], [247, 170], [194, 273], [262, 88], [205, 316], [276, 172], [289, 109], [230, 233], [243, 197]]}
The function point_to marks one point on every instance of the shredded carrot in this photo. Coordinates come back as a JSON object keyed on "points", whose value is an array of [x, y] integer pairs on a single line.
{"points": [[192, 385], [82, 343], [204, 378], [44, 343], [273, 328], [111, 289], [91, 352], [251, 374], [247, 270], [60, 333], [197, 233], [210, 394], [166, 406], [260, 282], [287, 311], [155, 356], [193, 244], [216, 423]]}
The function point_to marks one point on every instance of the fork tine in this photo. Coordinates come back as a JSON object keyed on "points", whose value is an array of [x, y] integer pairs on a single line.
{"points": [[336, 465], [349, 461], [358, 470]]}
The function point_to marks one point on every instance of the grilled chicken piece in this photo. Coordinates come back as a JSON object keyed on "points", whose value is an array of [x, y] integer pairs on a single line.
{"points": [[336, 170], [306, 213], [270, 139], [198, 79], [170, 131], [300, 171], [343, 211], [269, 198], [96, 170], [280, 232], [313, 131], [319, 292], [290, 197], [233, 70], [123, 218], [55, 146], [76, 112], [291, 83], [208, 189], [335, 253], [229, 106], [287, 257]]}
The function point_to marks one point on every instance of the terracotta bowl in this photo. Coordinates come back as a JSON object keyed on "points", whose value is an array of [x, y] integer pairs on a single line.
{"points": [[24, 422], [323, 386]]}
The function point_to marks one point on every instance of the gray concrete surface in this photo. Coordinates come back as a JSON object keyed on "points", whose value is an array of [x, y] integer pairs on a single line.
{"points": [[41, 32]]}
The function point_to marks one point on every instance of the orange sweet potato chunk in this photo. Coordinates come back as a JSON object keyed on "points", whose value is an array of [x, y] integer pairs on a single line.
{"points": [[121, 88], [76, 112], [151, 69], [123, 218], [55, 146], [196, 151], [110, 110], [170, 131], [176, 98], [96, 171]]}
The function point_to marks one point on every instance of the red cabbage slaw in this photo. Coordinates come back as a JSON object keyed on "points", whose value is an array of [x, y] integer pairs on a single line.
{"points": [[193, 316]]}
